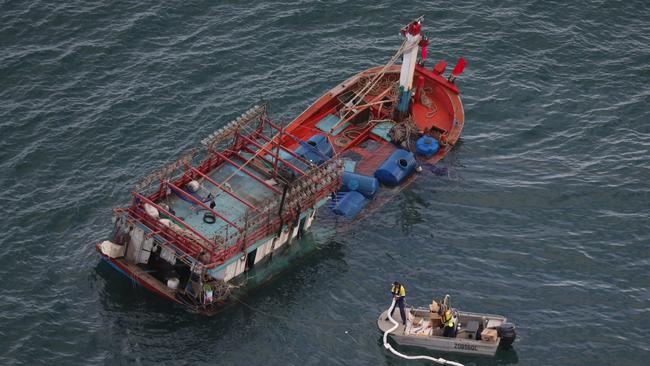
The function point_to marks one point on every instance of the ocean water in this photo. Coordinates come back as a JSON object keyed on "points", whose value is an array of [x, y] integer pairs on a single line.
{"points": [[540, 214]]}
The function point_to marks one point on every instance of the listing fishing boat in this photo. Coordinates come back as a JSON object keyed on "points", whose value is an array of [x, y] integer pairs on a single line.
{"points": [[472, 333], [240, 198]]}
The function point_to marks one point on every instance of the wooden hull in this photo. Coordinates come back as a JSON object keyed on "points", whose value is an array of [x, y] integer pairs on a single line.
{"points": [[142, 278], [445, 115], [233, 270], [438, 110]]}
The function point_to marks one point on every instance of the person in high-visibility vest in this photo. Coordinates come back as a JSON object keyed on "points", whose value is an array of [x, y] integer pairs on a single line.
{"points": [[448, 322], [399, 294]]}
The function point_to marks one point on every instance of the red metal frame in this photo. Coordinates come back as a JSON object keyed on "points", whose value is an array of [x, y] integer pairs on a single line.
{"points": [[272, 227], [250, 150], [270, 152], [224, 189], [292, 153], [198, 202], [169, 235], [267, 139], [188, 226], [241, 168], [259, 156], [277, 151]]}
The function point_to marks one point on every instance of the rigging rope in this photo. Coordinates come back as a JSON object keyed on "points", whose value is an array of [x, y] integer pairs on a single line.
{"points": [[387, 345], [358, 98]]}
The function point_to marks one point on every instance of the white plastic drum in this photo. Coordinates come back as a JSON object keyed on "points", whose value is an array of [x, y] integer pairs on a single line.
{"points": [[172, 283], [151, 211]]}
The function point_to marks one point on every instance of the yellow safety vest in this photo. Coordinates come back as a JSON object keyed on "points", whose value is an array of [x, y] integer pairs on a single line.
{"points": [[448, 319], [401, 292]]}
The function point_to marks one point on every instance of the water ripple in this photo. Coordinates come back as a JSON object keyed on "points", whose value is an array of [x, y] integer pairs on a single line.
{"points": [[540, 213]]}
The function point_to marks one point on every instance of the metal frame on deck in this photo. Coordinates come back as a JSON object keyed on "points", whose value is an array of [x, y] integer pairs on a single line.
{"points": [[232, 194], [290, 152], [198, 202], [261, 157], [177, 219], [312, 184], [241, 169], [277, 156], [281, 130]]}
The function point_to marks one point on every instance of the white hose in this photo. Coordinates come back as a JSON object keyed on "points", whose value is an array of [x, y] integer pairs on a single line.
{"points": [[387, 345]]}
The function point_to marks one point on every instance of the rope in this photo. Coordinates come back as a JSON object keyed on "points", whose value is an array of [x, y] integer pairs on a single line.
{"points": [[387, 345], [404, 132], [427, 102], [358, 98]]}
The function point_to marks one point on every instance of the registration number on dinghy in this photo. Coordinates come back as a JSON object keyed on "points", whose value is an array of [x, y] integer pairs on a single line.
{"points": [[468, 347]]}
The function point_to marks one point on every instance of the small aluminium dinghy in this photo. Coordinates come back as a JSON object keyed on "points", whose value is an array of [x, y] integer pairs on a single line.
{"points": [[472, 333]]}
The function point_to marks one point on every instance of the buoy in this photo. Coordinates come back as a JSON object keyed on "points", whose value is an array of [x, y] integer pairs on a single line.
{"points": [[194, 185], [426, 146]]}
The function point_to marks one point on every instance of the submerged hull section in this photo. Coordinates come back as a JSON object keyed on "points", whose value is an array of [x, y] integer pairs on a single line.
{"points": [[230, 271], [199, 223]]}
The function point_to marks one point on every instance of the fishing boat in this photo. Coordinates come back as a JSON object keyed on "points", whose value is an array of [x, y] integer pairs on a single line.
{"points": [[474, 333], [251, 188]]}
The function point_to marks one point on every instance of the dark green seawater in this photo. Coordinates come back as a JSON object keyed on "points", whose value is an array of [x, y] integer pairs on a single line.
{"points": [[541, 214]]}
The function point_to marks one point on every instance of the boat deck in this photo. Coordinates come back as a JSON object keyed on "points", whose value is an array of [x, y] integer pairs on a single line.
{"points": [[385, 324], [409, 336], [232, 209]]}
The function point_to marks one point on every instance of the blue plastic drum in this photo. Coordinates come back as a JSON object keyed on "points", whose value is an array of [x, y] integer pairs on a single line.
{"points": [[317, 149], [363, 184], [350, 205], [426, 146], [396, 168]]}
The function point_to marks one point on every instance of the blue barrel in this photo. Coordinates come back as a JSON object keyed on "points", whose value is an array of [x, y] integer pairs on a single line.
{"points": [[350, 205], [396, 168], [426, 146], [322, 144], [317, 149], [363, 184]]}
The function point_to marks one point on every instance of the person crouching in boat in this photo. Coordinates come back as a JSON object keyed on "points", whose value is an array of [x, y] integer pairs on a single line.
{"points": [[399, 294]]}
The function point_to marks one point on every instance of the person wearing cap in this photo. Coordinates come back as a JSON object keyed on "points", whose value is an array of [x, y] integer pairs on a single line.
{"points": [[399, 294]]}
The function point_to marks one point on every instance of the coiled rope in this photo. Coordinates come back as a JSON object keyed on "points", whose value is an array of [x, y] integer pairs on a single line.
{"points": [[387, 345]]}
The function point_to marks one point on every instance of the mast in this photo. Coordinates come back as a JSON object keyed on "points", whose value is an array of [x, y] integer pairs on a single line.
{"points": [[409, 59]]}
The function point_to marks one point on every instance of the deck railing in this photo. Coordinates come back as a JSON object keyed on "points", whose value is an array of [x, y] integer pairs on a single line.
{"points": [[261, 219]]}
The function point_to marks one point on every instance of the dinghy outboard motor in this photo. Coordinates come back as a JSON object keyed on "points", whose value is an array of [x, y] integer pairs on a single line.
{"points": [[506, 332]]}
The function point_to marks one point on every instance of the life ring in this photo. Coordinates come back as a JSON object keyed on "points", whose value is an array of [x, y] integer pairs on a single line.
{"points": [[209, 218]]}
